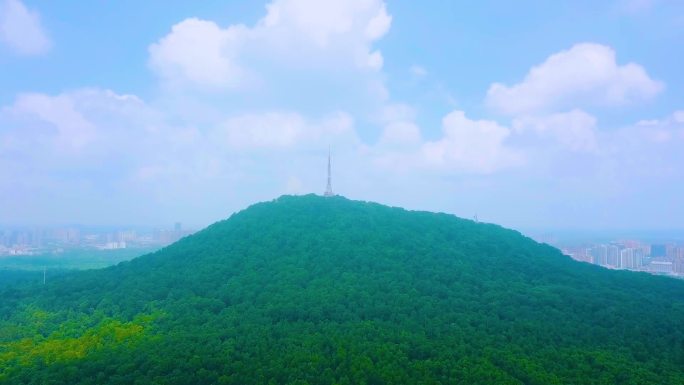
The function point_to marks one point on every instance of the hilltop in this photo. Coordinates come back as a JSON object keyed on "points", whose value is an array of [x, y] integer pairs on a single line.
{"points": [[314, 290]]}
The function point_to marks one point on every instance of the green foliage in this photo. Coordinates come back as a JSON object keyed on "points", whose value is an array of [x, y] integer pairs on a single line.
{"points": [[29, 347], [12, 277], [78, 259], [312, 290]]}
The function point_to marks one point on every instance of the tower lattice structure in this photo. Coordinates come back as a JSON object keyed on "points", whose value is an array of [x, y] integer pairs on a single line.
{"points": [[328, 189]]}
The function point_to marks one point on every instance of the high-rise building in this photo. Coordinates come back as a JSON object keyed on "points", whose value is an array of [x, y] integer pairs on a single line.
{"points": [[613, 256], [639, 256], [73, 236], [631, 258], [678, 264], [627, 258], [658, 250], [599, 255], [37, 237], [671, 251], [23, 238]]}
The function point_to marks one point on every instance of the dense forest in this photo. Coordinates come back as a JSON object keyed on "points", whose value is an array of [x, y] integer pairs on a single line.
{"points": [[12, 277], [313, 290]]}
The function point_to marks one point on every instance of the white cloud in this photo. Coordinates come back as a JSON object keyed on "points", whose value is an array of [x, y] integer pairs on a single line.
{"points": [[375, 60], [400, 134], [66, 129], [21, 29], [122, 145], [585, 74], [470, 145], [574, 130], [379, 25], [283, 130], [466, 146], [399, 127], [200, 52], [324, 24], [98, 150], [669, 129], [645, 150], [86, 127], [395, 112], [678, 116], [673, 120], [135, 163], [70, 129], [253, 147], [294, 33]]}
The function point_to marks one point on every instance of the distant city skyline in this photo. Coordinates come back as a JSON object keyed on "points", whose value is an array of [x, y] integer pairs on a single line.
{"points": [[532, 115], [635, 255], [54, 240]]}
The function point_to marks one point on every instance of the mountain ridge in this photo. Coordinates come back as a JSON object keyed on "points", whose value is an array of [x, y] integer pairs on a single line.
{"points": [[327, 290]]}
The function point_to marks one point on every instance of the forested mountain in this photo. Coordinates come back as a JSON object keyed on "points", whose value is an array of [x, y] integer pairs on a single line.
{"points": [[313, 290]]}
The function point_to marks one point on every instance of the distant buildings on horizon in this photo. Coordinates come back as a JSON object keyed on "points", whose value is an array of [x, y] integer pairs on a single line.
{"points": [[54, 240], [657, 258]]}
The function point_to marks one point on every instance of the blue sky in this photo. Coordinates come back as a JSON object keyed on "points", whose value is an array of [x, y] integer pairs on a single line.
{"points": [[531, 114]]}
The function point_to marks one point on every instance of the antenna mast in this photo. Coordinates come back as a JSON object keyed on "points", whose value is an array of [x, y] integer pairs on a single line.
{"points": [[328, 189]]}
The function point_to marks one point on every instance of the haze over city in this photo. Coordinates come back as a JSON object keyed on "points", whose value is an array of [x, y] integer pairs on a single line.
{"points": [[531, 115]]}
